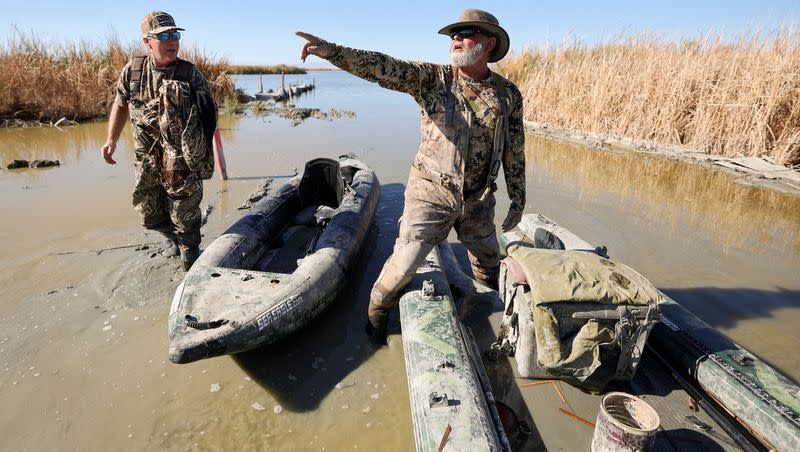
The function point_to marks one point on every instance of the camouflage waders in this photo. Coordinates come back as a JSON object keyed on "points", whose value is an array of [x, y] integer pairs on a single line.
{"points": [[171, 155], [430, 211], [464, 123]]}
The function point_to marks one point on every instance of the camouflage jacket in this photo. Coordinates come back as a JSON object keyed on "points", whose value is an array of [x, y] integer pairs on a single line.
{"points": [[462, 152], [166, 123], [144, 110]]}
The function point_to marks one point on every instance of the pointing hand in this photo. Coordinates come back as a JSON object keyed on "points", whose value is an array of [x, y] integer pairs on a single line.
{"points": [[314, 46]]}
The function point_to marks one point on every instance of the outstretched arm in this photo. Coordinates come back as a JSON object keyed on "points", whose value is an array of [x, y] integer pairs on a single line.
{"points": [[392, 73]]}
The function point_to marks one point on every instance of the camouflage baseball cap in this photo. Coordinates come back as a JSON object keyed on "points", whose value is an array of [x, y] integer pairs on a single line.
{"points": [[158, 21]]}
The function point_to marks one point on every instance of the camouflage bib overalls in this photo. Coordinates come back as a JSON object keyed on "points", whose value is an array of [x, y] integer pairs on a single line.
{"points": [[167, 146], [446, 185]]}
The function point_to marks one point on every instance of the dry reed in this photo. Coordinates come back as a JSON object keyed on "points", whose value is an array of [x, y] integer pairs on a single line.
{"points": [[734, 98], [44, 81], [216, 71]]}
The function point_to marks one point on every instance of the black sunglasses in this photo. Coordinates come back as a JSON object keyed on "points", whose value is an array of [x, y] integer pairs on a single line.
{"points": [[464, 33]]}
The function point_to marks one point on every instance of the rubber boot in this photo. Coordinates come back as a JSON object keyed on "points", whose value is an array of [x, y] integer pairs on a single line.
{"points": [[487, 277], [172, 248], [376, 332], [188, 256]]}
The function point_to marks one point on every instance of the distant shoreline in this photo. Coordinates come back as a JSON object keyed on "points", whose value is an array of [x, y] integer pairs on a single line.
{"points": [[305, 70], [239, 69]]}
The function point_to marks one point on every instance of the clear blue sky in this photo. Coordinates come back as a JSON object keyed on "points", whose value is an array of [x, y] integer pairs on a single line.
{"points": [[261, 32]]}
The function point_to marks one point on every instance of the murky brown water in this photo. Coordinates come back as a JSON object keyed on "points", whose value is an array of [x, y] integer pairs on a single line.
{"points": [[83, 344]]}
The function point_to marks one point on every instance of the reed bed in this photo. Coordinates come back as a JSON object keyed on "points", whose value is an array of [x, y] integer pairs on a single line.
{"points": [[278, 69], [729, 97], [215, 69], [45, 81]]}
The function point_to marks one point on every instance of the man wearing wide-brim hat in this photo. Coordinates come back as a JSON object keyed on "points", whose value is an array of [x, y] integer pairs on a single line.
{"points": [[471, 125]]}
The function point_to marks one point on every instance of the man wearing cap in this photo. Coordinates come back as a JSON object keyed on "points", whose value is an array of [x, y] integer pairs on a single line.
{"points": [[171, 110], [471, 123]]}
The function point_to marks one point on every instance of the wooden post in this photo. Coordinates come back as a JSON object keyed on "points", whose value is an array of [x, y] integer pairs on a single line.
{"points": [[260, 83], [219, 156]]}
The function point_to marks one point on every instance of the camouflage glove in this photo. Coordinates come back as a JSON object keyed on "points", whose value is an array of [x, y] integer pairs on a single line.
{"points": [[512, 219], [314, 46]]}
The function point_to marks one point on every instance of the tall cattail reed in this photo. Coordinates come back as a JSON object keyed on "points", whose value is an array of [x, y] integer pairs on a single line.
{"points": [[215, 69], [45, 81], [734, 98]]}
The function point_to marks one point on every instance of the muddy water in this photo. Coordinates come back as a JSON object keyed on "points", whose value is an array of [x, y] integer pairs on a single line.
{"points": [[83, 342]]}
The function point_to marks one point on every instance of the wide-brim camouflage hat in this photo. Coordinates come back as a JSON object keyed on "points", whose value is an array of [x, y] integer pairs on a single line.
{"points": [[157, 22], [485, 22]]}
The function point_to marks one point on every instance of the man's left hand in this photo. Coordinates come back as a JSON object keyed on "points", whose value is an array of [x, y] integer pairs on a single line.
{"points": [[512, 219]]}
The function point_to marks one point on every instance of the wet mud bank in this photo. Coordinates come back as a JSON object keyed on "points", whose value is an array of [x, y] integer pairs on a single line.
{"points": [[754, 171]]}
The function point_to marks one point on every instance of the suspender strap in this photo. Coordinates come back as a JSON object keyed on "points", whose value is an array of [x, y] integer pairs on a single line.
{"points": [[501, 137], [137, 66], [450, 103]]}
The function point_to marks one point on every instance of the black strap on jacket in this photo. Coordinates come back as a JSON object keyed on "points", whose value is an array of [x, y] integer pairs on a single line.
{"points": [[501, 138], [182, 73], [450, 103]]}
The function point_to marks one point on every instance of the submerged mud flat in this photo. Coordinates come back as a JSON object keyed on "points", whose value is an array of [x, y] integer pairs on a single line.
{"points": [[83, 361], [298, 114]]}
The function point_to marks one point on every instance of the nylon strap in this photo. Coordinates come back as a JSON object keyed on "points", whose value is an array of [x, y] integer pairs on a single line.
{"points": [[182, 73], [136, 75], [501, 136], [450, 103]]}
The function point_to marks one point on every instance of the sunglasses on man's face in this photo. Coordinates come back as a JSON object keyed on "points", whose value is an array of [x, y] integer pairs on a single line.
{"points": [[465, 33], [167, 36]]}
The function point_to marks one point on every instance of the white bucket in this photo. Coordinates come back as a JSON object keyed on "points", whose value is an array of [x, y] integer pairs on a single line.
{"points": [[624, 423]]}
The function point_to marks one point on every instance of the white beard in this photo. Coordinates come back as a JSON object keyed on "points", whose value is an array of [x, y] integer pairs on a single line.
{"points": [[467, 57]]}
